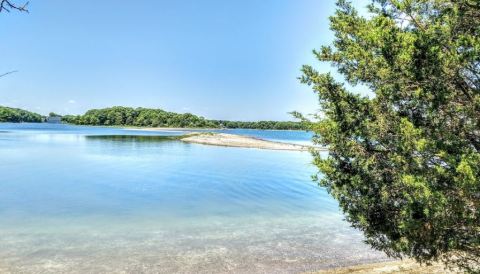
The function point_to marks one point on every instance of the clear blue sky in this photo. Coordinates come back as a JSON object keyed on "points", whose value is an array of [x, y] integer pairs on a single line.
{"points": [[220, 59]]}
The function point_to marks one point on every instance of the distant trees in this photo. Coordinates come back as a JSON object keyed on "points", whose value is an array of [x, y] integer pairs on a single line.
{"points": [[145, 117], [405, 163], [142, 117], [16, 115], [279, 125]]}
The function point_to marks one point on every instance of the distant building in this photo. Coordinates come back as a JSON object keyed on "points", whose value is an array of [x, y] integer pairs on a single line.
{"points": [[54, 119]]}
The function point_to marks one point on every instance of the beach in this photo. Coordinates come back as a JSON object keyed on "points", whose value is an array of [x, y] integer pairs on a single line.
{"points": [[207, 137], [398, 267], [233, 140]]}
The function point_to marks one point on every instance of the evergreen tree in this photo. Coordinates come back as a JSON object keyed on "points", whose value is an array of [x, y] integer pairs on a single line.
{"points": [[404, 163]]}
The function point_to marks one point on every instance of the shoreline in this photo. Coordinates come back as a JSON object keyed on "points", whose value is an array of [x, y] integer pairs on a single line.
{"points": [[216, 139], [234, 140], [406, 266], [205, 136], [200, 129], [167, 128]]}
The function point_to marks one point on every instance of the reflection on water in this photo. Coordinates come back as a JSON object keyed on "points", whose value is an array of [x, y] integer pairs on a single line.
{"points": [[74, 202], [131, 138]]}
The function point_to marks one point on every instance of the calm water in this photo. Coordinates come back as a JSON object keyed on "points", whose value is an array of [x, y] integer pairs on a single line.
{"points": [[71, 202]]}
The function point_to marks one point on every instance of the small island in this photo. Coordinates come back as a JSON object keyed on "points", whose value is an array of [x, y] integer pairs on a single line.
{"points": [[210, 138], [233, 140]]}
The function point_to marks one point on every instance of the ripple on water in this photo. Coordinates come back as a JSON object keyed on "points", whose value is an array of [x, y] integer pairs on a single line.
{"points": [[75, 204]]}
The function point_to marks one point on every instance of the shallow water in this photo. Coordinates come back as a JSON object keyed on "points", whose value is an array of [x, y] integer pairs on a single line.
{"points": [[70, 202]]}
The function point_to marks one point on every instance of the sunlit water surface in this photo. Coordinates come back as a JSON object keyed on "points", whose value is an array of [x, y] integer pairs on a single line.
{"points": [[74, 203]]}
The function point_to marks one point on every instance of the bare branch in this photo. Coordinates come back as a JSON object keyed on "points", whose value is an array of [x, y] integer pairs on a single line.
{"points": [[7, 5], [7, 73]]}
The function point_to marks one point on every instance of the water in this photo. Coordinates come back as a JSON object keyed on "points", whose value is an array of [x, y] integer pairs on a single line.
{"points": [[74, 203]]}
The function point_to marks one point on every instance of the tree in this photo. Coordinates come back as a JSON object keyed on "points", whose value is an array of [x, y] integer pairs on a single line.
{"points": [[404, 163], [125, 116], [16, 115]]}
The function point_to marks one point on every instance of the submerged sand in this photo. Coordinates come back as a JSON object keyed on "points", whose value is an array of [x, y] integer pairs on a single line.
{"points": [[233, 140]]}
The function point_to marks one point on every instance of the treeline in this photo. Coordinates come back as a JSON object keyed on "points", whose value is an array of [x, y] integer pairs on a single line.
{"points": [[145, 117], [16, 115], [141, 117], [280, 125]]}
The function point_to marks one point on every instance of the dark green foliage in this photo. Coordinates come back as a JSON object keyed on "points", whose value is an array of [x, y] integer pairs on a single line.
{"points": [[16, 115], [141, 117], [145, 117], [134, 138], [405, 163], [279, 125]]}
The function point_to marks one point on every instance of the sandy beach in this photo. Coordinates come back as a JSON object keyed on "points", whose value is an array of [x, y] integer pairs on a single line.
{"points": [[233, 140], [187, 129], [230, 140], [398, 267]]}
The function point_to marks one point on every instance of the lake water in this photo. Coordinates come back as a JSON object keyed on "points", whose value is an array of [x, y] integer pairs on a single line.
{"points": [[74, 203]]}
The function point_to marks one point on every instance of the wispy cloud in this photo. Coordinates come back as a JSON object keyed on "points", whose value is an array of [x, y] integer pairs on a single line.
{"points": [[71, 101]]}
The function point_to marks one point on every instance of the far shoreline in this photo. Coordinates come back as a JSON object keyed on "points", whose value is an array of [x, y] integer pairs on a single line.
{"points": [[208, 136], [153, 128], [199, 128]]}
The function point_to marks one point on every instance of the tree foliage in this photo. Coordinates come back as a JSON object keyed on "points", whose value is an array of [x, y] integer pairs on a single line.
{"points": [[16, 115], [277, 125], [53, 114], [404, 163], [145, 117], [142, 117]]}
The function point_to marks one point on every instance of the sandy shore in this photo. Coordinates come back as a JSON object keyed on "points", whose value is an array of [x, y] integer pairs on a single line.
{"points": [[168, 128], [229, 140], [233, 140], [399, 267]]}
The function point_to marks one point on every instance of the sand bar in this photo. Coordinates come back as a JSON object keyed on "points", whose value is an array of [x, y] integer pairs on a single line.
{"points": [[233, 140]]}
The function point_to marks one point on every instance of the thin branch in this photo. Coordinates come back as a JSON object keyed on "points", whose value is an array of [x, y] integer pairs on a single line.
{"points": [[7, 73], [7, 5]]}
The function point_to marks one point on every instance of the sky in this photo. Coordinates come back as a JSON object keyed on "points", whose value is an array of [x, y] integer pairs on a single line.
{"points": [[235, 60]]}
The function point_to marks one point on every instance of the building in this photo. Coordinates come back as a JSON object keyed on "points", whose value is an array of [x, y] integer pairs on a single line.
{"points": [[54, 119]]}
